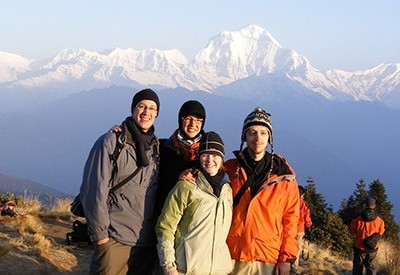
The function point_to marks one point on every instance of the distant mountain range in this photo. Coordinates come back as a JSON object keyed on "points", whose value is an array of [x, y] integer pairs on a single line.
{"points": [[28, 188], [230, 56]]}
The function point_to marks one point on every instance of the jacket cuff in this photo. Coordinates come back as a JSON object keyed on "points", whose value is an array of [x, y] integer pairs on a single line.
{"points": [[286, 259], [99, 236], [169, 267]]}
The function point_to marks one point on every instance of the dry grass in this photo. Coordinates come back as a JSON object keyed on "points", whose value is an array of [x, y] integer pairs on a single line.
{"points": [[31, 205], [59, 258], [29, 224], [61, 205], [323, 262], [19, 244], [59, 210], [389, 258], [25, 235], [7, 224]]}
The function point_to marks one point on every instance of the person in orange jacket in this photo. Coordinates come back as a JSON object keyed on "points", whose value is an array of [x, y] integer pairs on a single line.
{"points": [[266, 205], [303, 226], [367, 229]]}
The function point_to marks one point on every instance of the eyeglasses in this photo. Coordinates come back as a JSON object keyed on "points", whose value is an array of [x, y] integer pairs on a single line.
{"points": [[142, 107], [195, 120]]}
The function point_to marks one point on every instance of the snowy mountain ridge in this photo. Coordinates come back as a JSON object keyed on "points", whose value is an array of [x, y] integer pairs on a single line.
{"points": [[229, 57]]}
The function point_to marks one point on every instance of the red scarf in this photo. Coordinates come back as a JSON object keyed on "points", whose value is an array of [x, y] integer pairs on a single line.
{"points": [[189, 149]]}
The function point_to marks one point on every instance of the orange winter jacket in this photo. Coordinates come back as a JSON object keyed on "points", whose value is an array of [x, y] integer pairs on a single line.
{"points": [[361, 230], [264, 227], [304, 219]]}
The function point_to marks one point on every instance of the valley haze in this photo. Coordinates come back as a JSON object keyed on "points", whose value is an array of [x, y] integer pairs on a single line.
{"points": [[335, 126]]}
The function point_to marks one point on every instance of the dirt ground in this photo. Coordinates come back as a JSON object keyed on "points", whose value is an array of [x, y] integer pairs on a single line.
{"points": [[19, 262]]}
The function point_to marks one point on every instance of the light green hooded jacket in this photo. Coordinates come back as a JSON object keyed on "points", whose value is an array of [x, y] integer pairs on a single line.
{"points": [[193, 227]]}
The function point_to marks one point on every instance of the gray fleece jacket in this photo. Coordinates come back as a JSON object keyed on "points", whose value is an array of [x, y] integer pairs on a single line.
{"points": [[127, 215]]}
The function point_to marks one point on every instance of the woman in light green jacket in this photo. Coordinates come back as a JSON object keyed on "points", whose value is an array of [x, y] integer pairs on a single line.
{"points": [[195, 221]]}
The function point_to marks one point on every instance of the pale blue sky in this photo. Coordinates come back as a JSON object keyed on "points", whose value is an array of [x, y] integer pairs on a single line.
{"points": [[343, 34]]}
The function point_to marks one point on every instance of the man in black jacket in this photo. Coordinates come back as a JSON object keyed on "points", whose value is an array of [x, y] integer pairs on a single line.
{"points": [[179, 152]]}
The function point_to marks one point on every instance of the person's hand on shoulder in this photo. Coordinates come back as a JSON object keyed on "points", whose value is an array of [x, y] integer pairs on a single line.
{"points": [[116, 129], [187, 175]]}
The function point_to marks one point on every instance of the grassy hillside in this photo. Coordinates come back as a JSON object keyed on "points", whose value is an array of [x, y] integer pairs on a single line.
{"points": [[34, 243]]}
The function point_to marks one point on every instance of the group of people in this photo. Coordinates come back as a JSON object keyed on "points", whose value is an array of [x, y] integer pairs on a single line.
{"points": [[187, 210]]}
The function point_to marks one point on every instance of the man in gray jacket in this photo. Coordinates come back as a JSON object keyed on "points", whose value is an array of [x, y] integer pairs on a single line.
{"points": [[121, 223]]}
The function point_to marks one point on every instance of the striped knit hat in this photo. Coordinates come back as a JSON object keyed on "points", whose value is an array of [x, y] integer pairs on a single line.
{"points": [[257, 117], [212, 143]]}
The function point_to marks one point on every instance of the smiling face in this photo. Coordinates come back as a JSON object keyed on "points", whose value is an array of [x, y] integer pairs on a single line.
{"points": [[211, 163], [192, 125], [257, 137], [144, 114]]}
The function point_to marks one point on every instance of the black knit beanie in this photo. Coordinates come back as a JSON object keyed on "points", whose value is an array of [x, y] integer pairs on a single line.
{"points": [[212, 143], [148, 94], [191, 107]]}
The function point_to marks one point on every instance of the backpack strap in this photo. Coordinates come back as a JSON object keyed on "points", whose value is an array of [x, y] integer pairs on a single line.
{"points": [[123, 182], [76, 205], [113, 157], [242, 189], [277, 180], [246, 185]]}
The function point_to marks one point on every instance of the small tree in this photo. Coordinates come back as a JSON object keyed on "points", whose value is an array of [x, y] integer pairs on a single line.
{"points": [[351, 207], [329, 231], [335, 235], [384, 207], [316, 202]]}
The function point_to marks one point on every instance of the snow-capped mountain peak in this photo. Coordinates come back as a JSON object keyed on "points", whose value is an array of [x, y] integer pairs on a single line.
{"points": [[11, 65], [13, 60], [228, 57], [238, 54], [257, 33]]}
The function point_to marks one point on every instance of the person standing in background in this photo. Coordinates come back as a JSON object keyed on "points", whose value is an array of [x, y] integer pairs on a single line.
{"points": [[367, 229], [303, 227]]}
